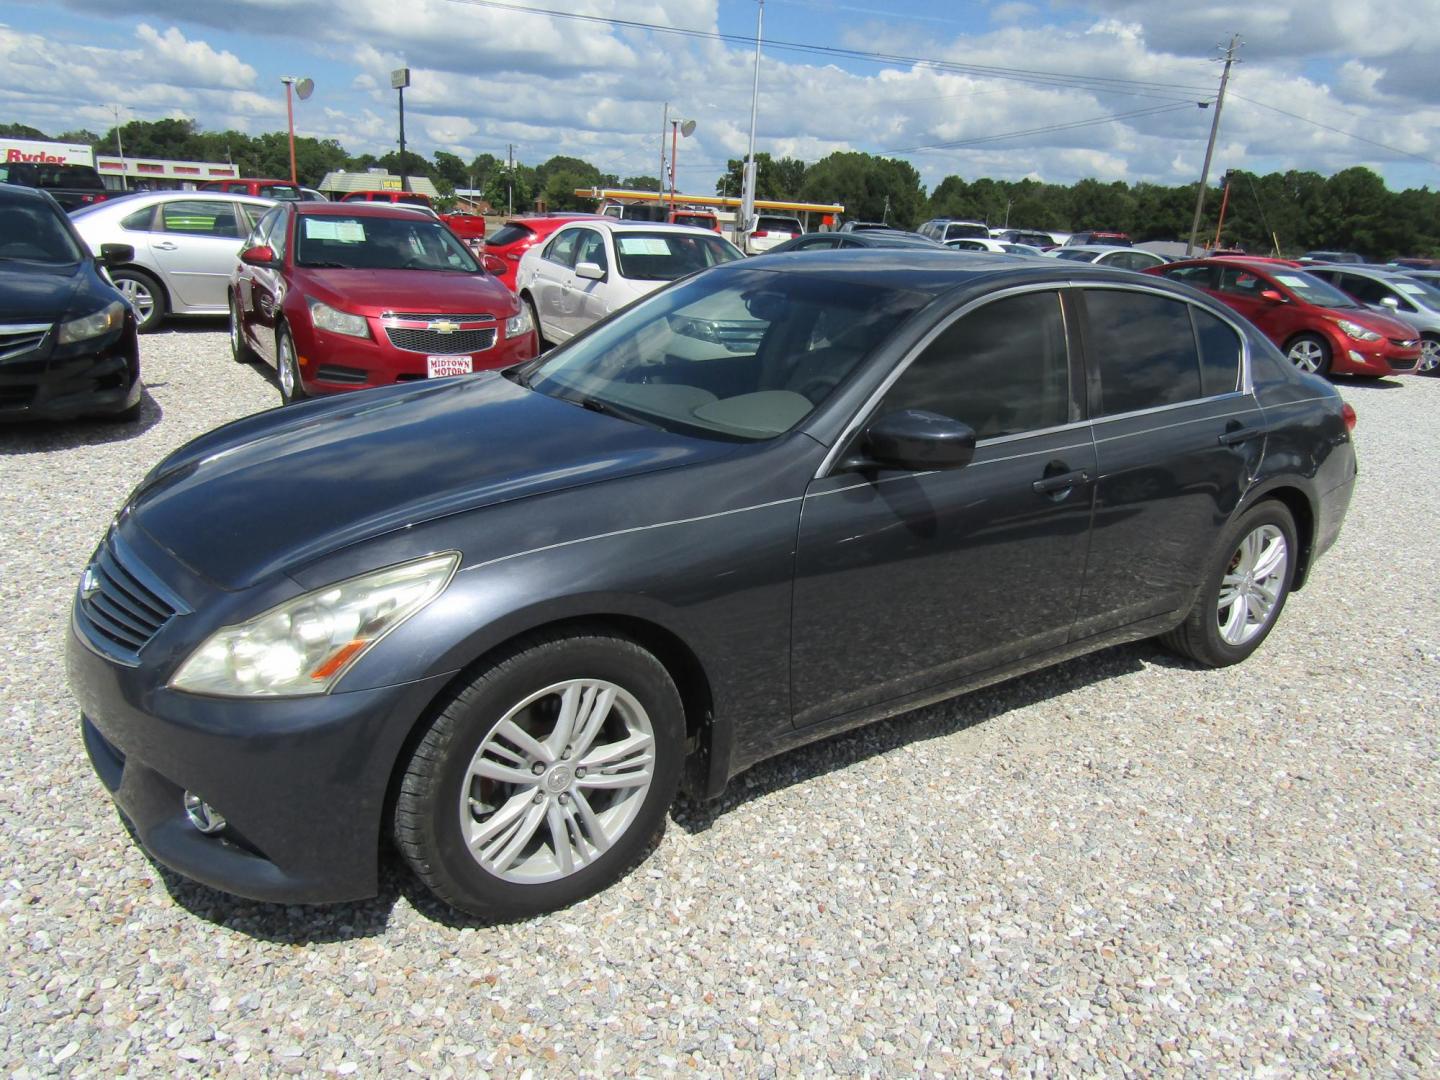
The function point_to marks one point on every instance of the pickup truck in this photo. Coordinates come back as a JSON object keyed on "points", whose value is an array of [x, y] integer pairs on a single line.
{"points": [[72, 186], [468, 227]]}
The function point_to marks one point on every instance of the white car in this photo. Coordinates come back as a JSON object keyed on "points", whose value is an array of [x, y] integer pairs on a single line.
{"points": [[186, 244], [770, 231], [1122, 258], [995, 247], [593, 267]]}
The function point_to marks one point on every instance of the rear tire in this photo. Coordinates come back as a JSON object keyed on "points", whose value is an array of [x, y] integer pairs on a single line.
{"points": [[144, 295], [546, 778], [540, 341], [1244, 591], [1310, 352]]}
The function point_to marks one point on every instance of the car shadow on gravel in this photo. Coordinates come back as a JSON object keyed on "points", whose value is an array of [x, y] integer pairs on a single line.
{"points": [[919, 725], [46, 436], [1359, 382]]}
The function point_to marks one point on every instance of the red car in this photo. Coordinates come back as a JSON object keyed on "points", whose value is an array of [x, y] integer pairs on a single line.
{"points": [[341, 296], [469, 227], [519, 235], [1318, 327], [264, 189]]}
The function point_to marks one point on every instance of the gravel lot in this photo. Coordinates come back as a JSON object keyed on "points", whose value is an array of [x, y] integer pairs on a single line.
{"points": [[1120, 866]]}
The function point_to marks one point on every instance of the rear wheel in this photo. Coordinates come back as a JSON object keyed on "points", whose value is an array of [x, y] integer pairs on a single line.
{"points": [[545, 779], [1310, 352], [1244, 592], [292, 389], [144, 295], [1429, 354]]}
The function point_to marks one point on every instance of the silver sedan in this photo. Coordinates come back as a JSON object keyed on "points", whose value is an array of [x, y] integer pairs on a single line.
{"points": [[186, 244]]}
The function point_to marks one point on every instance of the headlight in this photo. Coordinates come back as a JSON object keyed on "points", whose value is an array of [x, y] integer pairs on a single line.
{"points": [[326, 317], [304, 645], [110, 317], [1356, 331], [519, 324]]}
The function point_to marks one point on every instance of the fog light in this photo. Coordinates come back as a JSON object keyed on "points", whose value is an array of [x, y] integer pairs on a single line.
{"points": [[202, 815], [1357, 357]]}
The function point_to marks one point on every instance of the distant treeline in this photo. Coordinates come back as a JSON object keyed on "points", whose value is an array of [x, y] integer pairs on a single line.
{"points": [[1352, 210]]}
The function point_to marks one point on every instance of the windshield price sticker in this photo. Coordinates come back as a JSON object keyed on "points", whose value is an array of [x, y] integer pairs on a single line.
{"points": [[642, 245], [1291, 280], [437, 367]]}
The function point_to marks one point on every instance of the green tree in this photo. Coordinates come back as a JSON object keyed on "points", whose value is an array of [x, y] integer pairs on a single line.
{"points": [[871, 188], [450, 168], [21, 131], [774, 178], [640, 183]]}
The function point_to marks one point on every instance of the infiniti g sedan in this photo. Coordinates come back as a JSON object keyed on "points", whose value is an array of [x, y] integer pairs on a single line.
{"points": [[504, 617]]}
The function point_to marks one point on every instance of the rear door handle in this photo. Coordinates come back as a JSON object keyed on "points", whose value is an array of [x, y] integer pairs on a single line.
{"points": [[1241, 435], [165, 245], [1051, 484]]}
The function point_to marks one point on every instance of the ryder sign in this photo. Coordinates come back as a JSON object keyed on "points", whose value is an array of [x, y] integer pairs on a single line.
{"points": [[33, 151]]}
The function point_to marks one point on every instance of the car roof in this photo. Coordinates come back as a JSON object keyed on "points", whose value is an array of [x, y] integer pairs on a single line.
{"points": [[354, 209], [622, 226], [135, 198], [19, 193], [1101, 249]]}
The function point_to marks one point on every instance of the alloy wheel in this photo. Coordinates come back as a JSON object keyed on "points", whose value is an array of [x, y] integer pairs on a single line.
{"points": [[557, 781], [1252, 584], [286, 368], [1307, 355], [138, 296], [1429, 354]]}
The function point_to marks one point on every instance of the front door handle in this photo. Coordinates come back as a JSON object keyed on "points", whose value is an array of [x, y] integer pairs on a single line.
{"points": [[165, 245], [1049, 485]]}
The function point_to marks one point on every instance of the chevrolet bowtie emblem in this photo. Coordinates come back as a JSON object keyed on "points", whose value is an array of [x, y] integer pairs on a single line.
{"points": [[444, 326]]}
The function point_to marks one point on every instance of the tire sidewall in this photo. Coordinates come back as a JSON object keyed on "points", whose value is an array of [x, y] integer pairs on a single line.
{"points": [[282, 338], [1326, 353], [615, 660], [1269, 512], [158, 307]]}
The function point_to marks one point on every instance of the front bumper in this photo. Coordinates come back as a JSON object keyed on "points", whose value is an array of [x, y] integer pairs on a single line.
{"points": [[92, 378], [302, 782], [1374, 358]]}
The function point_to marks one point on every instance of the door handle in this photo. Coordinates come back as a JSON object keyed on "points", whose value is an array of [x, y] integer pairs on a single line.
{"points": [[165, 245], [1236, 436], [1049, 485]]}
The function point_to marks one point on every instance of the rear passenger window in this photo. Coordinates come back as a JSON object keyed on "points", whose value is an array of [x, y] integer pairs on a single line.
{"points": [[1220, 352], [1145, 347], [1002, 369]]}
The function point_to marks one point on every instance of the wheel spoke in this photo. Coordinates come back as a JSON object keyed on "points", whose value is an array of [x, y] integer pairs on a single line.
{"points": [[1271, 560], [593, 719], [613, 781], [514, 842], [505, 774], [560, 837], [615, 753], [593, 831], [518, 737], [1233, 629], [501, 821], [572, 700]]}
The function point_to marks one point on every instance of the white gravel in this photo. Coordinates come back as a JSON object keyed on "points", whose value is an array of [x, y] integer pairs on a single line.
{"points": [[1122, 866]]}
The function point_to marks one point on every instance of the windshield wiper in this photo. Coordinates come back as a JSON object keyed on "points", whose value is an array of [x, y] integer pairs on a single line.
{"points": [[327, 266], [606, 408]]}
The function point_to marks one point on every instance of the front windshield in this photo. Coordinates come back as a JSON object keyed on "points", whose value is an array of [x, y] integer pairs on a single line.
{"points": [[1313, 290], [739, 354], [1423, 293], [665, 256], [33, 232], [380, 243]]}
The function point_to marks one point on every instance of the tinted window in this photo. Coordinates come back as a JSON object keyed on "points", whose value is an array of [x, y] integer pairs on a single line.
{"points": [[1001, 369], [779, 224], [1220, 352], [33, 232], [263, 228], [1075, 255], [817, 243], [591, 249], [1145, 347], [1202, 277], [561, 250], [646, 256], [508, 234], [955, 232], [197, 218], [139, 221], [1131, 260], [380, 243]]}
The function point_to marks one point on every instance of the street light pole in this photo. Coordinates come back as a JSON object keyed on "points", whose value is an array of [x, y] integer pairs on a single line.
{"points": [[399, 79], [120, 150], [288, 80], [747, 187]]}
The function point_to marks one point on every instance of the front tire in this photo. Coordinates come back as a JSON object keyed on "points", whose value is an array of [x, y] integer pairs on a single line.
{"points": [[240, 350], [535, 318], [144, 295], [1311, 353], [292, 389], [1244, 591], [545, 779], [1429, 355]]}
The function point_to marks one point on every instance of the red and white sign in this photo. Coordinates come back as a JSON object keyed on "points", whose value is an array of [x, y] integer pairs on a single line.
{"points": [[437, 367], [13, 151]]}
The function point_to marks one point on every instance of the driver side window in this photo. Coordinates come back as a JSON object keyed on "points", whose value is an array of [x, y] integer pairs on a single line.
{"points": [[1003, 369], [562, 249], [591, 248]]}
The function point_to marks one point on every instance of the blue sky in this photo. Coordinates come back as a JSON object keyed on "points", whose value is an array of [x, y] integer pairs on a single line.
{"points": [[486, 78]]}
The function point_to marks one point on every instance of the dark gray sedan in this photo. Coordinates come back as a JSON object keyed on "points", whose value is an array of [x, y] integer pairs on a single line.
{"points": [[501, 618]]}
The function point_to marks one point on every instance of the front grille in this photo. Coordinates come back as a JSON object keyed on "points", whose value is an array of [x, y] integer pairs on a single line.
{"points": [[1406, 343], [1402, 365], [436, 343], [338, 374], [18, 339], [121, 602], [405, 316]]}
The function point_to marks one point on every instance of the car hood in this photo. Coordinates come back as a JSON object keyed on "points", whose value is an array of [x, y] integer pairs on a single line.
{"points": [[370, 292], [275, 491], [1388, 325], [31, 291]]}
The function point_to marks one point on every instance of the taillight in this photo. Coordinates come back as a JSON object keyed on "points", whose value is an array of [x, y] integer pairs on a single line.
{"points": [[92, 198], [760, 232], [1347, 411]]}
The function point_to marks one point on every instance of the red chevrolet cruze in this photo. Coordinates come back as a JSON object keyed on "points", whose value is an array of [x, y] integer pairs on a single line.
{"points": [[341, 296], [517, 236], [1320, 328]]}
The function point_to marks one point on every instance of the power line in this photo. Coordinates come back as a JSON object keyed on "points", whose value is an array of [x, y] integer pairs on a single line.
{"points": [[1099, 84], [1336, 130], [1047, 129]]}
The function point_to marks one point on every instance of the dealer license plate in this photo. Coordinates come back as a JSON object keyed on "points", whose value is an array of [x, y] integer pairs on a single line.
{"points": [[437, 367]]}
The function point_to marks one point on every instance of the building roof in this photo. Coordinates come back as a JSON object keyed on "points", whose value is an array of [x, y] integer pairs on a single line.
{"points": [[342, 182]]}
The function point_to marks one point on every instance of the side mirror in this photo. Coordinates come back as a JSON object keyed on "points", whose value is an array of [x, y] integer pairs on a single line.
{"points": [[920, 440], [493, 264], [263, 255], [589, 270], [1390, 302], [1273, 296], [116, 254]]}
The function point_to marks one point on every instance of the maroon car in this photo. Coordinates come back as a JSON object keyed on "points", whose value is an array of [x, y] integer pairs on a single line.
{"points": [[341, 296], [469, 227], [1320, 328], [517, 236]]}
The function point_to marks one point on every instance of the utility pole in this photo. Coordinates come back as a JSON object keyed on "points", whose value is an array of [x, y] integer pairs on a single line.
{"points": [[510, 179], [399, 79], [1210, 147], [120, 149], [747, 186], [664, 123]]}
